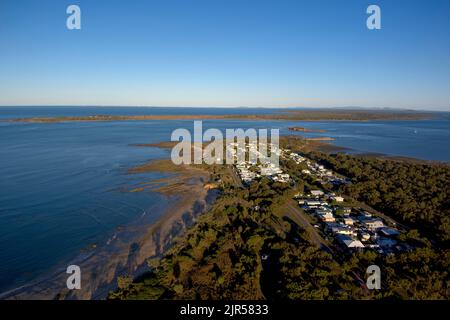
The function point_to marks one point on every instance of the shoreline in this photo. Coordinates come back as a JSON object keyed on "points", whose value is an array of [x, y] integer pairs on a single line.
{"points": [[188, 196], [303, 129], [127, 251], [325, 146], [282, 115]]}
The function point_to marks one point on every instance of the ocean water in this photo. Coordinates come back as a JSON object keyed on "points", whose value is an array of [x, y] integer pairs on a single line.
{"points": [[63, 185], [422, 139]]}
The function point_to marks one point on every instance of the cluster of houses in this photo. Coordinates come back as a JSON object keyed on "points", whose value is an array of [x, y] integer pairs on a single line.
{"points": [[297, 158], [322, 174], [249, 171], [351, 228]]}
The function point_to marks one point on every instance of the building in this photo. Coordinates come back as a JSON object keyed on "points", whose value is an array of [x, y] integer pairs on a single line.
{"points": [[312, 203], [366, 214], [349, 242], [337, 199], [389, 232], [283, 178], [326, 216], [349, 221], [346, 209], [323, 210], [317, 193], [386, 243], [373, 224], [339, 229], [270, 171], [343, 230]]}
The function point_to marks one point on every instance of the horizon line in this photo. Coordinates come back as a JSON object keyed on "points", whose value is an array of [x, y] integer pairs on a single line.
{"points": [[437, 109]]}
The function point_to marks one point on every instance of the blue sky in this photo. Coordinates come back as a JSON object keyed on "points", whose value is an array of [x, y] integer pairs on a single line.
{"points": [[226, 53]]}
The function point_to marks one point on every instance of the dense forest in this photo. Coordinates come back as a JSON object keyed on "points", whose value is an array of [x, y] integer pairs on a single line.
{"points": [[414, 193], [246, 248]]}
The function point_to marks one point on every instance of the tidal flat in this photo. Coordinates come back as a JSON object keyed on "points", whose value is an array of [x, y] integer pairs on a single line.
{"points": [[129, 250]]}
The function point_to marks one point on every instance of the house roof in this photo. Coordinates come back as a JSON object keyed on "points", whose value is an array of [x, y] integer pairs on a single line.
{"points": [[353, 243], [389, 231], [349, 242]]}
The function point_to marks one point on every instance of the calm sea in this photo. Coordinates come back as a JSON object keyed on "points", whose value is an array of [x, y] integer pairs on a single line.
{"points": [[62, 185]]}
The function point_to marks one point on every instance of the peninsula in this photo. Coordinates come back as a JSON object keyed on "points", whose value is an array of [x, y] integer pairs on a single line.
{"points": [[287, 115]]}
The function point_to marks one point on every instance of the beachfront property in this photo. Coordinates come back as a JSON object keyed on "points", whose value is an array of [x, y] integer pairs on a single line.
{"points": [[249, 171]]}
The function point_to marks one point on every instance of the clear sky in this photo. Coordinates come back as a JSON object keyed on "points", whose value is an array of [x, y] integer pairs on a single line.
{"points": [[226, 53]]}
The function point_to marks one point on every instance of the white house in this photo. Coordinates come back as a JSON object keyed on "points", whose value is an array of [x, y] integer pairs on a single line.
{"points": [[283, 177], [312, 203], [353, 244], [373, 224], [342, 230], [326, 216], [349, 242], [337, 199], [349, 221], [317, 193]]}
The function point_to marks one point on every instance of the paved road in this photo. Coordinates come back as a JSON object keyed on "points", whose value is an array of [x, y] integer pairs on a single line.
{"points": [[299, 216], [232, 172]]}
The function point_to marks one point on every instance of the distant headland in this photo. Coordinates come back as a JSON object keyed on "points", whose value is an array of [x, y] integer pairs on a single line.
{"points": [[302, 129], [287, 115]]}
